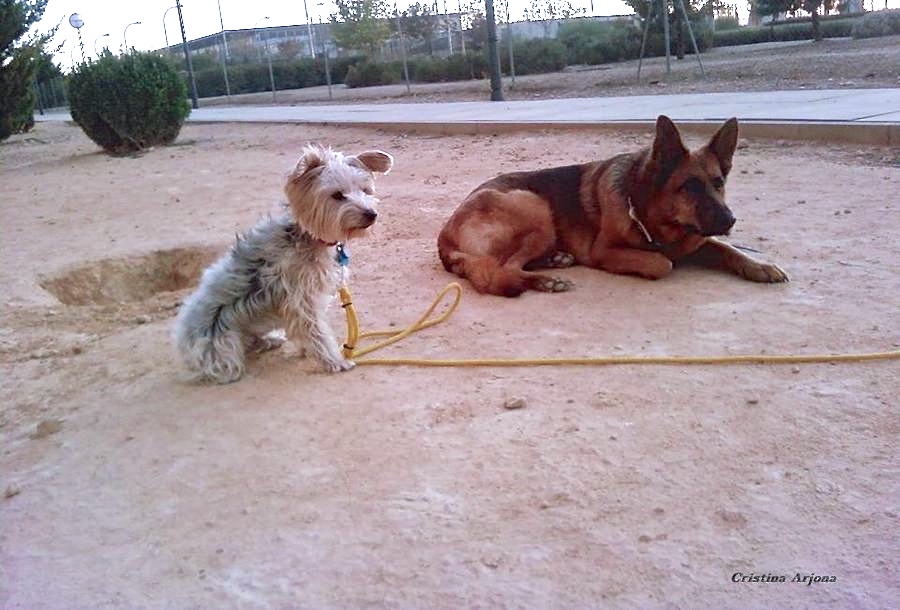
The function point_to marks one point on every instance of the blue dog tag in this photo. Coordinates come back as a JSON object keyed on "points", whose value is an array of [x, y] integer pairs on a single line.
{"points": [[342, 257]]}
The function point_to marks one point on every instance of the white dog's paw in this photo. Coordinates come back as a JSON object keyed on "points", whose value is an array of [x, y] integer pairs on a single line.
{"points": [[337, 365]]}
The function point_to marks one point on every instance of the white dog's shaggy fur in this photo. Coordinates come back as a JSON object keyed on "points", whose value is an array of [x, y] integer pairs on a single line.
{"points": [[284, 271]]}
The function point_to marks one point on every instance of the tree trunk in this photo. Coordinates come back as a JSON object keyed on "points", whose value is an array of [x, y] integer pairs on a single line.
{"points": [[679, 36], [817, 30]]}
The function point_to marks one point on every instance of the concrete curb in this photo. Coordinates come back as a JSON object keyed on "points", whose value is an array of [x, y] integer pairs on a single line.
{"points": [[839, 132]]}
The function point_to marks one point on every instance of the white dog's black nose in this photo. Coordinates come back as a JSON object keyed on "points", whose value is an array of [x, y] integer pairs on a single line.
{"points": [[370, 216]]}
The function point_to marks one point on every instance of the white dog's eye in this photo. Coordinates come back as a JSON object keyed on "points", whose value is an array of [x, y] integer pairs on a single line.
{"points": [[338, 196], [368, 191]]}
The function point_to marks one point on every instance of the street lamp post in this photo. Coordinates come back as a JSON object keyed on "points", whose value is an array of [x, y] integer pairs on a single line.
{"points": [[77, 22], [309, 32], [125, 33], [268, 57], [95, 43], [187, 58], [402, 48], [224, 52], [325, 54], [166, 32]]}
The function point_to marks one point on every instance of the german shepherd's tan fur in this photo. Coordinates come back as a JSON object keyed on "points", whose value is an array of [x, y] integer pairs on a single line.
{"points": [[634, 214]]}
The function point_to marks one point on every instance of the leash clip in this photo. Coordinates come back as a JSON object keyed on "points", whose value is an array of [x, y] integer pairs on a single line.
{"points": [[341, 255]]}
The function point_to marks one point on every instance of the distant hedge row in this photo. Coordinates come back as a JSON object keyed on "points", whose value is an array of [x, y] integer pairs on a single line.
{"points": [[579, 42], [831, 28], [253, 78]]}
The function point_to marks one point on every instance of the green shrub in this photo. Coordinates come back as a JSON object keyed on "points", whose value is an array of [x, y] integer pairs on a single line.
{"points": [[128, 103], [470, 66], [882, 23], [798, 30], [727, 23], [368, 74], [595, 42], [536, 56], [17, 94], [428, 70]]}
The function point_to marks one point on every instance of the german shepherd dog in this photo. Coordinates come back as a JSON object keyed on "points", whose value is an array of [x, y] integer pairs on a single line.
{"points": [[635, 214]]}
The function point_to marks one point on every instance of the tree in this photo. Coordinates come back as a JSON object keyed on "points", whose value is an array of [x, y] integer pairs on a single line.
{"points": [[419, 24], [776, 7], [551, 10], [289, 49], [361, 25], [20, 55], [696, 9]]}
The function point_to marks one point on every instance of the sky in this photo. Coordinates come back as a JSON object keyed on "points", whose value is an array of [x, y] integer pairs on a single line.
{"points": [[201, 17]]}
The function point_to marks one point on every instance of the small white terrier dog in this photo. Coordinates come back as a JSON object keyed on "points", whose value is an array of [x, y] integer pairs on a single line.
{"points": [[283, 272]]}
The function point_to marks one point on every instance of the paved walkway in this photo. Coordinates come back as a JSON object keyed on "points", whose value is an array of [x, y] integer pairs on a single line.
{"points": [[860, 105], [863, 105], [864, 115]]}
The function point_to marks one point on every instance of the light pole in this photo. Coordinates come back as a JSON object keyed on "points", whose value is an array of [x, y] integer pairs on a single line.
{"points": [[312, 49], [95, 43], [187, 58], [77, 22], [402, 48], [125, 33], [224, 52], [268, 57], [166, 32], [325, 53]]}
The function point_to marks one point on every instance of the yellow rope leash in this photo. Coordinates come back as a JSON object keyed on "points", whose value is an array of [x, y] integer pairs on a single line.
{"points": [[352, 352]]}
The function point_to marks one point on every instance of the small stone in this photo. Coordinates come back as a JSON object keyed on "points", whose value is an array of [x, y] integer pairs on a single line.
{"points": [[644, 538], [848, 211], [11, 490], [742, 144], [46, 428], [142, 319], [758, 171], [514, 403], [801, 201], [753, 401], [795, 369]]}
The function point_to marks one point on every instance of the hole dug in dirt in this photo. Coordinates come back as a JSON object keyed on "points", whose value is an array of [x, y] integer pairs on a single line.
{"points": [[132, 279]]}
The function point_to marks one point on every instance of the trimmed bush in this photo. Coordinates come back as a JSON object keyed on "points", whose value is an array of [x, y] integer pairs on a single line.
{"points": [[536, 56], [727, 23], [368, 74], [882, 23], [128, 103], [593, 42], [831, 28]]}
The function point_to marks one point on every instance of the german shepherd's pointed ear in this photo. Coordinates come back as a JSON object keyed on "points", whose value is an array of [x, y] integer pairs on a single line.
{"points": [[722, 144], [376, 161], [668, 149]]}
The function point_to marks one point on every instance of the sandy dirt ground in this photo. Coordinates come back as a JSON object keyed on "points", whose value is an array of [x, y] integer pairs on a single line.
{"points": [[830, 64], [634, 486]]}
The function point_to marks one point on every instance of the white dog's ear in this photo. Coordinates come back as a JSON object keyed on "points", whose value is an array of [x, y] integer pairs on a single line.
{"points": [[312, 157], [376, 161]]}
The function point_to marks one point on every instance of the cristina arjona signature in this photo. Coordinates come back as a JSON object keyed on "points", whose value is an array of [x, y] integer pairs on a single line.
{"points": [[807, 579]]}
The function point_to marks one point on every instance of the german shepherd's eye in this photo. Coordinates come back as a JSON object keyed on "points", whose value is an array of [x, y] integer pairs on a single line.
{"points": [[694, 186], [718, 183], [338, 196]]}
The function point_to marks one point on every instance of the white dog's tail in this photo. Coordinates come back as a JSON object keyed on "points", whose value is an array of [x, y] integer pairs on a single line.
{"points": [[207, 348]]}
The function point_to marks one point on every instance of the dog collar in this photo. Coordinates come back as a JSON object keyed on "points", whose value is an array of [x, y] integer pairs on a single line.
{"points": [[633, 216], [341, 255]]}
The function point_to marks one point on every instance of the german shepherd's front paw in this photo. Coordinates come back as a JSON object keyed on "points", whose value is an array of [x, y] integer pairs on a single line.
{"points": [[546, 283], [763, 272]]}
